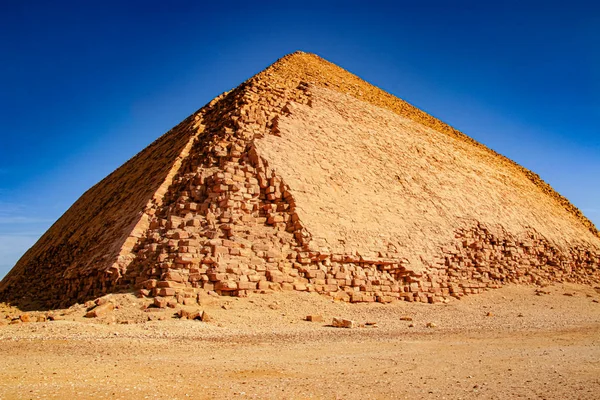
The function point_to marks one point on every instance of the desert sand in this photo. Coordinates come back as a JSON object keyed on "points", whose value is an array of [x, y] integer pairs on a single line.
{"points": [[514, 342]]}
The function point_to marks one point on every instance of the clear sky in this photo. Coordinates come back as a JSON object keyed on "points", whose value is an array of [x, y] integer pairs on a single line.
{"points": [[85, 85]]}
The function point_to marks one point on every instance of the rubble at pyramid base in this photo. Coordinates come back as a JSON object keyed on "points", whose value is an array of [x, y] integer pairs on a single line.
{"points": [[234, 227]]}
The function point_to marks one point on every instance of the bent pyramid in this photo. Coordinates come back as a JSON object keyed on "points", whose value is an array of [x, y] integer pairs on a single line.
{"points": [[307, 178]]}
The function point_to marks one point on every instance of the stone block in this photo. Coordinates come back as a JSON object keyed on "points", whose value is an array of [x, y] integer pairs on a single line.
{"points": [[25, 318], [167, 292], [160, 302], [263, 285], [100, 311], [246, 285], [180, 234], [190, 314], [174, 276], [300, 287], [226, 286], [314, 318], [343, 323], [172, 303], [190, 301]]}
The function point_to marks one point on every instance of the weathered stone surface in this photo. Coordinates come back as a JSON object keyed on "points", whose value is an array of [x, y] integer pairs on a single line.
{"points": [[307, 178]]}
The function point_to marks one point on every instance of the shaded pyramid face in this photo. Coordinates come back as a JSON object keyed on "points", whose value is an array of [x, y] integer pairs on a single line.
{"points": [[307, 178]]}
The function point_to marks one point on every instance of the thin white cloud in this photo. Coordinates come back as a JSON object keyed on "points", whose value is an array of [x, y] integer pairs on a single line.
{"points": [[17, 219], [12, 247], [14, 217], [10, 208], [35, 234]]}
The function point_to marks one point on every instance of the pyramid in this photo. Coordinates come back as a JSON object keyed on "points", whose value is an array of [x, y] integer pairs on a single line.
{"points": [[307, 178]]}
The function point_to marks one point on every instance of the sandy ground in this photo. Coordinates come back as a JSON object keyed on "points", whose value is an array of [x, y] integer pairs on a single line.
{"points": [[506, 343]]}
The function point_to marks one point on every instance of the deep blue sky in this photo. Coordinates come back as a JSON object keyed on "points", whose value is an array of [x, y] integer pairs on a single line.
{"points": [[85, 85]]}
